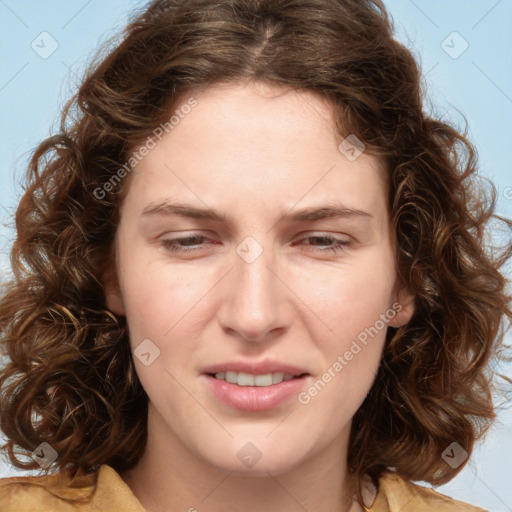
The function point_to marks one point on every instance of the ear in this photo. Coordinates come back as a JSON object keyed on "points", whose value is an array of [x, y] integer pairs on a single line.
{"points": [[404, 307], [113, 297]]}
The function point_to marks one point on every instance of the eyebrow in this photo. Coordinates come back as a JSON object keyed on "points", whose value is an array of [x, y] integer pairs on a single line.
{"points": [[313, 213]]}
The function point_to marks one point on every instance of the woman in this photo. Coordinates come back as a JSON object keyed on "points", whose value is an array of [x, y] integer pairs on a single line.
{"points": [[249, 273]]}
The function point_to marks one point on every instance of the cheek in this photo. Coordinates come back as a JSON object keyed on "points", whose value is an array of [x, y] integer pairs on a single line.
{"points": [[160, 305], [350, 299], [356, 306], [157, 296], [353, 306]]}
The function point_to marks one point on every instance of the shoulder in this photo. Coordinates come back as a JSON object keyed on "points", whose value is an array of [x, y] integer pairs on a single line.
{"points": [[396, 494], [45, 492], [103, 490]]}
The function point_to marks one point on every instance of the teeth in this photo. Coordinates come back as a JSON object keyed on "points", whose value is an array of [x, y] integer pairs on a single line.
{"points": [[277, 377], [248, 379]]}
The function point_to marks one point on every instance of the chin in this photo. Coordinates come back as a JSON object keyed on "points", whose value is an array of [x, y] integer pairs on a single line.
{"points": [[253, 459]]}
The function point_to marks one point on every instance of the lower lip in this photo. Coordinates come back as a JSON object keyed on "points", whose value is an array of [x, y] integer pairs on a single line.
{"points": [[254, 398]]}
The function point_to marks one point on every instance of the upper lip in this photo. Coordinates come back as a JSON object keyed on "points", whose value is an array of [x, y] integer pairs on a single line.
{"points": [[256, 368]]}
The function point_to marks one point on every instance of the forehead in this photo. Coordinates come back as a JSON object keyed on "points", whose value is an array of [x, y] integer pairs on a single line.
{"points": [[252, 144]]}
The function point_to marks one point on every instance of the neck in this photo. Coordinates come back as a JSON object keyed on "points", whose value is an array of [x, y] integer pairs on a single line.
{"points": [[171, 478]]}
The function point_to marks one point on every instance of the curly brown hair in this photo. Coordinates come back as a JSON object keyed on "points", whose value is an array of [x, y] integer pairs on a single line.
{"points": [[70, 379]]}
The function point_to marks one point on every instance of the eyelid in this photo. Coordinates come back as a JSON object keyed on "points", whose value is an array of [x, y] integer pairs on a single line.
{"points": [[303, 234], [338, 246]]}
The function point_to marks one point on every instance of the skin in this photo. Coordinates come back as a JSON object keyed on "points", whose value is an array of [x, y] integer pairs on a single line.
{"points": [[254, 152]]}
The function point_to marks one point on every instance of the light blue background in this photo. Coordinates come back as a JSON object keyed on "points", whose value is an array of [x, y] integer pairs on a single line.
{"points": [[477, 84]]}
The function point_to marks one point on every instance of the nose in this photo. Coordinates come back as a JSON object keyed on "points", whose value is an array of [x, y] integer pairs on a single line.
{"points": [[256, 305]]}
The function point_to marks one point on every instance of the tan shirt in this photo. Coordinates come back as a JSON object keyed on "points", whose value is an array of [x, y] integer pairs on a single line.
{"points": [[105, 491]]}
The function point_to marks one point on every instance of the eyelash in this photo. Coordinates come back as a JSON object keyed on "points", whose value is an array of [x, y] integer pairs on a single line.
{"points": [[173, 244]]}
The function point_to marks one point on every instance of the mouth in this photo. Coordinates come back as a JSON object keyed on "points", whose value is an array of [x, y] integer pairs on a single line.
{"points": [[258, 380], [254, 385], [254, 392]]}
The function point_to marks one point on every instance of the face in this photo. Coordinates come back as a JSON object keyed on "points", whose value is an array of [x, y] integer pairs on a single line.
{"points": [[278, 262]]}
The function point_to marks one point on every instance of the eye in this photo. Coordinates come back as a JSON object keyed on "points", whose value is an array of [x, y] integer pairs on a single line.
{"points": [[195, 242], [328, 243], [186, 244]]}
